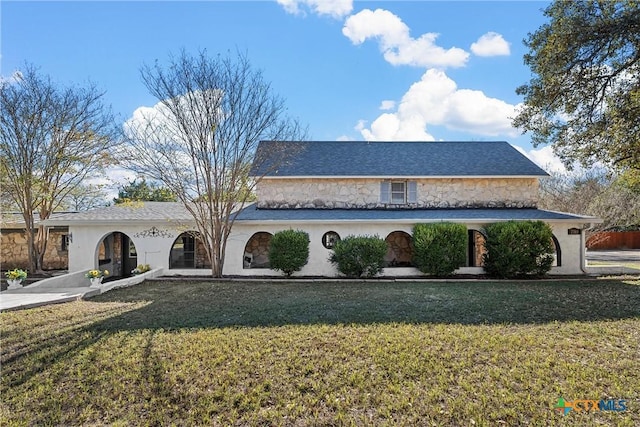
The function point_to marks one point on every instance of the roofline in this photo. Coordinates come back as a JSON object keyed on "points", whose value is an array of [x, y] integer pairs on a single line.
{"points": [[395, 176], [119, 222], [412, 221]]}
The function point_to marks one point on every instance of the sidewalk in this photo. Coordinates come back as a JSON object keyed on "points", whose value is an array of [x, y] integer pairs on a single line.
{"points": [[29, 297], [70, 287]]}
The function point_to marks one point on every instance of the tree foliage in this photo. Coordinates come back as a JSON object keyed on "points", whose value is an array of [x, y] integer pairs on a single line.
{"points": [[52, 138], [140, 190], [439, 248], [359, 256], [584, 97], [200, 138], [289, 251]]}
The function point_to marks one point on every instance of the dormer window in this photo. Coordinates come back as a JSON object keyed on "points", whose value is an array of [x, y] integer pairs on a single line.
{"points": [[398, 192]]}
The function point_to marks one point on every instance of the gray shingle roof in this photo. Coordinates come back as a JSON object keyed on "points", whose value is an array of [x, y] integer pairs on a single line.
{"points": [[251, 213], [130, 212], [391, 159]]}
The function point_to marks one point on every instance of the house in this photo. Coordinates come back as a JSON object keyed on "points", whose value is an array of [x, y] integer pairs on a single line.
{"points": [[14, 251], [332, 189]]}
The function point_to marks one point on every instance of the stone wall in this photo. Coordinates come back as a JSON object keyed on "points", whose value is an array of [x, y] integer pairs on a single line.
{"points": [[364, 193], [14, 251]]}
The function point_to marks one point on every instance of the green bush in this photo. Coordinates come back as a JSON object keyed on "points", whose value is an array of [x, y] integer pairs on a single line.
{"points": [[518, 248], [439, 248], [289, 251], [358, 256]]}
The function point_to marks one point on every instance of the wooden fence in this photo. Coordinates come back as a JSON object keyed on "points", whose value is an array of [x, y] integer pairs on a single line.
{"points": [[614, 240]]}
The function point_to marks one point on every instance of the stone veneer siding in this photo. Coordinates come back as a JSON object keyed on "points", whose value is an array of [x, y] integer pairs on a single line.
{"points": [[364, 193], [14, 251]]}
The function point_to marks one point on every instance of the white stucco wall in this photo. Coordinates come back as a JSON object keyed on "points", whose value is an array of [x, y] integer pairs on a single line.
{"points": [[155, 250], [570, 245], [152, 250]]}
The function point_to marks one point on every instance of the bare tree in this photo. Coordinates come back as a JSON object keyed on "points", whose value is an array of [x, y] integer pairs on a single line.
{"points": [[86, 197], [594, 192], [201, 137], [51, 139]]}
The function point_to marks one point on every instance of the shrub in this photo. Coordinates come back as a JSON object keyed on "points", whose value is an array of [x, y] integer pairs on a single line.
{"points": [[439, 248], [518, 248], [289, 251], [358, 256]]}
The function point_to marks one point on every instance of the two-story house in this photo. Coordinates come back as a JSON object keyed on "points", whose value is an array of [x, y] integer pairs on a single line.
{"points": [[331, 190], [335, 189]]}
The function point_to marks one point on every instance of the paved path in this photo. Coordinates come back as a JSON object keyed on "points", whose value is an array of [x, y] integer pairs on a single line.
{"points": [[12, 299], [621, 256]]}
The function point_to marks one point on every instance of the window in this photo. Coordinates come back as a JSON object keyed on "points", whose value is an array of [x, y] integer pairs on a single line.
{"points": [[398, 192], [329, 239]]}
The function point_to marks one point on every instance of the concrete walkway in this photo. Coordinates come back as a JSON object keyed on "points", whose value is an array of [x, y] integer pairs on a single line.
{"points": [[29, 297], [66, 288]]}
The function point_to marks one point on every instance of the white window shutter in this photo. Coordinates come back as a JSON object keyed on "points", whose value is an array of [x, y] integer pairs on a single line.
{"points": [[385, 191], [412, 192]]}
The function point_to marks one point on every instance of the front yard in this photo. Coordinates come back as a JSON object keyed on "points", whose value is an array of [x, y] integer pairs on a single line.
{"points": [[326, 353]]}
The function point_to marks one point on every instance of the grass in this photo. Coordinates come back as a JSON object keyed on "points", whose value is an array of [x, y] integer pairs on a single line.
{"points": [[325, 353]]}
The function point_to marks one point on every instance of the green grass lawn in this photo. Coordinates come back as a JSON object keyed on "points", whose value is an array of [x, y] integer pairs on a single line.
{"points": [[326, 353]]}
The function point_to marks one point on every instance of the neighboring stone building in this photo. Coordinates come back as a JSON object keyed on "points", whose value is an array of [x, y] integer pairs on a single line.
{"points": [[332, 190], [14, 251]]}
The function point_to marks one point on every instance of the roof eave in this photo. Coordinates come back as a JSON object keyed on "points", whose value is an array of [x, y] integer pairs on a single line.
{"points": [[395, 176]]}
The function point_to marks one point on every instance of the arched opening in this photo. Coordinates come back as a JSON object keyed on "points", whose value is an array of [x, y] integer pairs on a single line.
{"points": [[399, 250], [117, 253], [476, 248], [557, 256], [188, 251], [256, 252]]}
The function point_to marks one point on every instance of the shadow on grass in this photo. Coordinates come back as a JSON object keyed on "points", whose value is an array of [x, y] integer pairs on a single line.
{"points": [[200, 304]]}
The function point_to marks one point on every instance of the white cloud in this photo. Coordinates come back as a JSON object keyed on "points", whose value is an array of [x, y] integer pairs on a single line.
{"points": [[397, 46], [387, 105], [546, 159], [13, 78], [334, 8], [436, 100], [491, 44]]}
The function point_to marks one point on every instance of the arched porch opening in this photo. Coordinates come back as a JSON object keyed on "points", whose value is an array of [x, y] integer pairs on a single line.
{"points": [[116, 253], [188, 252], [399, 250], [557, 256], [256, 251]]}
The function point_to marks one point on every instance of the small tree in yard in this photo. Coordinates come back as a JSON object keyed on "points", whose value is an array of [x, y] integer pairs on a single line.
{"points": [[439, 249], [289, 251], [53, 138], [358, 256], [518, 248]]}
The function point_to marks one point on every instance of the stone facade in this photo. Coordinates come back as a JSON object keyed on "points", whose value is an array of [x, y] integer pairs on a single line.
{"points": [[364, 193], [14, 251]]}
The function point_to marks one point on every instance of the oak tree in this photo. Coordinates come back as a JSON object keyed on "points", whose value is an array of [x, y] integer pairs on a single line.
{"points": [[584, 96]]}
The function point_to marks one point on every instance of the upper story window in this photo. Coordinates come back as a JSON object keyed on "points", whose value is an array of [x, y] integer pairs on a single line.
{"points": [[398, 192]]}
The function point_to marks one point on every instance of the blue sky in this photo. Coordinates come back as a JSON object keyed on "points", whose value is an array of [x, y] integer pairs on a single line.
{"points": [[352, 70]]}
